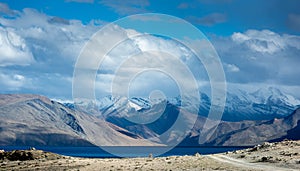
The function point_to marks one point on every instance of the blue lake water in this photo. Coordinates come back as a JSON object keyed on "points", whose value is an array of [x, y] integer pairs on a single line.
{"points": [[97, 152]]}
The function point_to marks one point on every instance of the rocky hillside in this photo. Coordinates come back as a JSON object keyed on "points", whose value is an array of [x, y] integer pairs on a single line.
{"points": [[242, 133], [252, 133], [37, 121], [283, 155]]}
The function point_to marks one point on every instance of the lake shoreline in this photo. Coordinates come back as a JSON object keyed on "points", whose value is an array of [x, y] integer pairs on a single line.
{"points": [[128, 151], [267, 156]]}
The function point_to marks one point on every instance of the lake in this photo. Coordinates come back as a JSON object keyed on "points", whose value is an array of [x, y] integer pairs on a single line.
{"points": [[132, 151]]}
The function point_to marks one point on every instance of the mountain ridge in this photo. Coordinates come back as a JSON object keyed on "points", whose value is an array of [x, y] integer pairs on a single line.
{"points": [[261, 104], [260, 132], [38, 120]]}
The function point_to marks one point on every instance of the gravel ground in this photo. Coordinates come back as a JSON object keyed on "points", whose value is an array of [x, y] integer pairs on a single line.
{"points": [[268, 156]]}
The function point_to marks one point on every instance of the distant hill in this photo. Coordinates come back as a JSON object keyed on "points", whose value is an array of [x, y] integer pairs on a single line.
{"points": [[238, 133], [35, 120], [229, 133], [258, 132]]}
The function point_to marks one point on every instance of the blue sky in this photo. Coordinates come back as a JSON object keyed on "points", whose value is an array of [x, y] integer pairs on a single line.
{"points": [[222, 17], [258, 41]]}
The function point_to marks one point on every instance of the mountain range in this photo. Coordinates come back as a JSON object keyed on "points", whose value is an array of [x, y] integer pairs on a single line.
{"points": [[261, 104], [37, 121], [249, 119]]}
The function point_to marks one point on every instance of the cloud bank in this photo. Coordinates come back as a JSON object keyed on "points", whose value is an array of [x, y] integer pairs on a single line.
{"points": [[38, 53], [261, 56]]}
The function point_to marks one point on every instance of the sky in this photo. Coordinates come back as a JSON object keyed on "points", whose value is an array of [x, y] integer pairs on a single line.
{"points": [[258, 42]]}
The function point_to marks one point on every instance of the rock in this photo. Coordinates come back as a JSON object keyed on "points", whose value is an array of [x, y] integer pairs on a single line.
{"points": [[266, 145], [242, 156], [266, 159], [2, 154], [255, 148], [19, 155], [197, 155], [262, 146], [32, 148]]}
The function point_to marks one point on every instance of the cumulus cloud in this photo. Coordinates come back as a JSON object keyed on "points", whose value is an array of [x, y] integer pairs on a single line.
{"points": [[48, 40], [262, 56], [232, 68], [38, 53], [261, 41], [14, 50], [139, 54], [12, 82], [40, 46], [48, 47]]}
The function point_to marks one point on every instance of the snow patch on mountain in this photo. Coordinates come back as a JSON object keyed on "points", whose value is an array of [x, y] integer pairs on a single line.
{"points": [[261, 104], [134, 105]]}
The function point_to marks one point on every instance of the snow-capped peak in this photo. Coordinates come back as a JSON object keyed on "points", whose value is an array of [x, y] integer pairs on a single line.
{"points": [[139, 103], [272, 94]]}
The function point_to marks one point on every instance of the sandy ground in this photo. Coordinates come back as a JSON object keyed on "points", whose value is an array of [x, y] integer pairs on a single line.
{"points": [[268, 156]]}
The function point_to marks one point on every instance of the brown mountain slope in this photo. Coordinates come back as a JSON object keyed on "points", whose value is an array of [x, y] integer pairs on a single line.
{"points": [[36, 120], [272, 130]]}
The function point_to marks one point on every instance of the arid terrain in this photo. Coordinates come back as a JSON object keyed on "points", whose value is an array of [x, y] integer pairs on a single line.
{"points": [[283, 155], [34, 120]]}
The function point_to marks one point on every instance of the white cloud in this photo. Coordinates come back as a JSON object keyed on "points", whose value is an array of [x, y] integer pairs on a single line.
{"points": [[232, 68], [14, 50], [63, 38], [136, 54], [150, 43], [39, 47], [12, 81], [262, 56], [47, 47], [292, 41], [261, 41], [45, 43]]}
